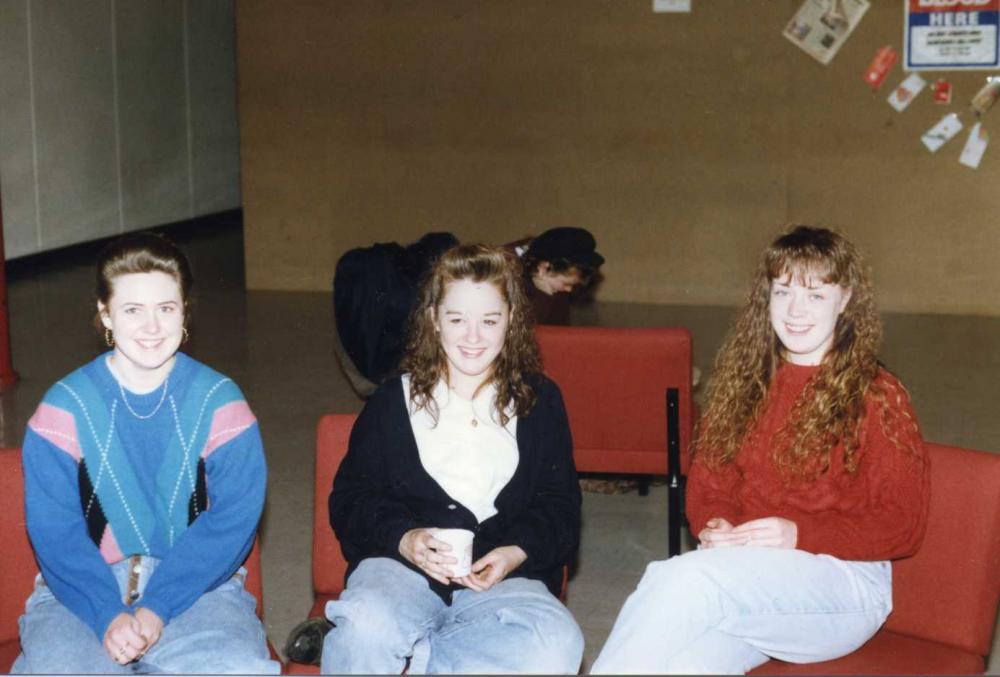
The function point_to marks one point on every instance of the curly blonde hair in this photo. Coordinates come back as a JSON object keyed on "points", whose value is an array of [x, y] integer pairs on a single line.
{"points": [[832, 405], [425, 359]]}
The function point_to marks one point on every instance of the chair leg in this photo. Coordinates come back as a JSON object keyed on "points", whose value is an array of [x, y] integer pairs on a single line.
{"points": [[643, 482], [674, 519], [675, 495]]}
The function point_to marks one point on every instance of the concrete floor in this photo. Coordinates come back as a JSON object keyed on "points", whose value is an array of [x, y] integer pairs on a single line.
{"points": [[278, 347]]}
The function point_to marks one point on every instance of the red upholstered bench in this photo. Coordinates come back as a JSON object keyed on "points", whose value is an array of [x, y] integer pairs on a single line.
{"points": [[18, 567], [944, 597], [628, 398]]}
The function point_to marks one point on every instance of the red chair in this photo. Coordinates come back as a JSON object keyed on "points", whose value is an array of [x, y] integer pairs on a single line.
{"points": [[328, 564], [944, 597], [18, 567], [628, 397]]}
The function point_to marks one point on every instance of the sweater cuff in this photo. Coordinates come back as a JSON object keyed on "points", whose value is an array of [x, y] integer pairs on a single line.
{"points": [[540, 553], [157, 606], [393, 533], [723, 509], [104, 618]]}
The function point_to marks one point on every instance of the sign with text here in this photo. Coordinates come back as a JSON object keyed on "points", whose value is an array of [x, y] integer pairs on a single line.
{"points": [[951, 34]]}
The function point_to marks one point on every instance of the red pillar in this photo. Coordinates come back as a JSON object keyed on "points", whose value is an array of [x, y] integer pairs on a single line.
{"points": [[8, 376]]}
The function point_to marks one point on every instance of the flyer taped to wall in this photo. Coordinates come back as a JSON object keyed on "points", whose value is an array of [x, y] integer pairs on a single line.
{"points": [[941, 133], [986, 96], [975, 146], [880, 66], [821, 27], [906, 92]]}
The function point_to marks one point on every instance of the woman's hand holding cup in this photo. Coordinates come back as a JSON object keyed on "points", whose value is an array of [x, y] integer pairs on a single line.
{"points": [[431, 555], [493, 567]]}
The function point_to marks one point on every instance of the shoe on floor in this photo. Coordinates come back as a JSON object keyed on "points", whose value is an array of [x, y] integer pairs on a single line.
{"points": [[305, 641]]}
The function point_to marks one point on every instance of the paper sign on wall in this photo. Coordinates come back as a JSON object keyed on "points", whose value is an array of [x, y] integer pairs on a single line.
{"points": [[942, 91], [951, 34], [906, 92], [941, 133], [670, 6], [880, 66], [821, 27], [975, 146], [987, 96]]}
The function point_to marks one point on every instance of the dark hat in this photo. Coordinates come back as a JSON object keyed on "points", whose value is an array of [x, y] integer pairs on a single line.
{"points": [[575, 245]]}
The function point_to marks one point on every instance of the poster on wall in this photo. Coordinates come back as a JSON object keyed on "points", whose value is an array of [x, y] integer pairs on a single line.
{"points": [[821, 27], [672, 6], [951, 34]]}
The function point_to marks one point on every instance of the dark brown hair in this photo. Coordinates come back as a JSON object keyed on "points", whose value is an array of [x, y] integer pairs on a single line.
{"points": [[425, 359], [143, 252]]}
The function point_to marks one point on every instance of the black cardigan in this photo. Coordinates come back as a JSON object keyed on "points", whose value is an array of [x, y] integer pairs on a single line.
{"points": [[381, 490]]}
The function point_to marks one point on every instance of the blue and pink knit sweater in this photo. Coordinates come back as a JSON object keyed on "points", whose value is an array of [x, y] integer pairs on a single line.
{"points": [[185, 485]]}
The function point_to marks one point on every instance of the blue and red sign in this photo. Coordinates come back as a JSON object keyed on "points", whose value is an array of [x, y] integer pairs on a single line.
{"points": [[951, 34]]}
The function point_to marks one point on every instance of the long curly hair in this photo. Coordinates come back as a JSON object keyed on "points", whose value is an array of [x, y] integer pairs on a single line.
{"points": [[425, 359], [832, 405]]}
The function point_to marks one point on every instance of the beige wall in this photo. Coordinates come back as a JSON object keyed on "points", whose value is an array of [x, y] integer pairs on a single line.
{"points": [[684, 142]]}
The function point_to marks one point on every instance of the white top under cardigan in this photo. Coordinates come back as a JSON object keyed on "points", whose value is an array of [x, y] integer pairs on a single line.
{"points": [[468, 452]]}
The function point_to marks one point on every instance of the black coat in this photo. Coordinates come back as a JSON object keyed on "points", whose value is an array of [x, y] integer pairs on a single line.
{"points": [[381, 490], [374, 290]]}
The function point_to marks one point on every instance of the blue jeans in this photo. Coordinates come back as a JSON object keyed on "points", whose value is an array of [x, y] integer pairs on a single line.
{"points": [[220, 633], [727, 610], [388, 613]]}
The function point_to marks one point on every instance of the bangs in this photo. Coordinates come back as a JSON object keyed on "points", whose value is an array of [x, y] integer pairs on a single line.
{"points": [[805, 254], [802, 270]]}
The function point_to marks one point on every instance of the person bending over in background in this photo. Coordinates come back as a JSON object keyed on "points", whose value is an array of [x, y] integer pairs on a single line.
{"points": [[472, 436], [144, 481], [375, 290], [556, 263], [809, 475]]}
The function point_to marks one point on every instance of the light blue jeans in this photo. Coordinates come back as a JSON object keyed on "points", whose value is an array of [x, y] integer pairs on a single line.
{"points": [[220, 634], [388, 613], [727, 610]]}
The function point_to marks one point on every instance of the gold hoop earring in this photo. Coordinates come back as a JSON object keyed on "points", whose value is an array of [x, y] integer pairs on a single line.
{"points": [[185, 335], [109, 338]]}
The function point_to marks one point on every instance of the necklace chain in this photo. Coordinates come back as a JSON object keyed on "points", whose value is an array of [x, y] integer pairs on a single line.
{"points": [[159, 404]]}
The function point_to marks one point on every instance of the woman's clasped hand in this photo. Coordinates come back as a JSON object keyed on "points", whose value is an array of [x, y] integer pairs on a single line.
{"points": [[766, 532]]}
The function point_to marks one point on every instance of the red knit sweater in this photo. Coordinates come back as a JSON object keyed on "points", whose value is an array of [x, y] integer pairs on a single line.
{"points": [[879, 512]]}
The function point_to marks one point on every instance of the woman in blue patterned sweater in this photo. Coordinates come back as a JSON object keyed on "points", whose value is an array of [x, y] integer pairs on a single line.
{"points": [[144, 481]]}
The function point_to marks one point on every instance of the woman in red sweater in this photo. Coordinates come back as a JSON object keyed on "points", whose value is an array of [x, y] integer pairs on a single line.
{"points": [[809, 476]]}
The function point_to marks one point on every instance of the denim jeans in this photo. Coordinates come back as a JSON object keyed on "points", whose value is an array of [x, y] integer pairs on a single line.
{"points": [[220, 633], [388, 613], [727, 610]]}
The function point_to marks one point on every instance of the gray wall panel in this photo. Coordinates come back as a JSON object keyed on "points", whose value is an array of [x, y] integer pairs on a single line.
{"points": [[152, 121], [74, 120], [215, 142], [119, 114], [17, 173]]}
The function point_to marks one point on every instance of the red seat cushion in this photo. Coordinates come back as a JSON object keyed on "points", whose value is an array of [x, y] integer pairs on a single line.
{"points": [[944, 597], [887, 653], [8, 654]]}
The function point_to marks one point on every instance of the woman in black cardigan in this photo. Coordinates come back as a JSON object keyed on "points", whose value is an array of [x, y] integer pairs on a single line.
{"points": [[471, 437]]}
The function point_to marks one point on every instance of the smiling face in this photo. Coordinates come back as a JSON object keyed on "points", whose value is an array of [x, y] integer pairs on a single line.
{"points": [[804, 312], [146, 317], [472, 321]]}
